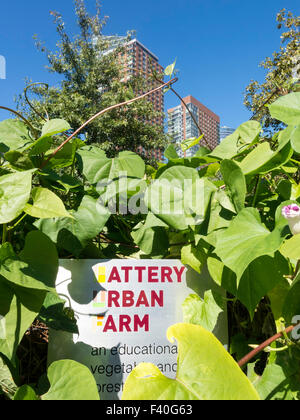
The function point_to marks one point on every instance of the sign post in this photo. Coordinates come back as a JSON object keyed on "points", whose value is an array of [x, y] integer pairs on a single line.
{"points": [[124, 308]]}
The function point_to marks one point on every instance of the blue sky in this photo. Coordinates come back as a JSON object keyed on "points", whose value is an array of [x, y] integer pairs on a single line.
{"points": [[218, 43]]}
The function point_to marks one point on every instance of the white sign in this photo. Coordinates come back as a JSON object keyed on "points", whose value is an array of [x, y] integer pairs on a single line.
{"points": [[124, 308]]}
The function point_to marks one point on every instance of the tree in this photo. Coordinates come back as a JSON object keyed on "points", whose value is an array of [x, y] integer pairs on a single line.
{"points": [[92, 81], [283, 73]]}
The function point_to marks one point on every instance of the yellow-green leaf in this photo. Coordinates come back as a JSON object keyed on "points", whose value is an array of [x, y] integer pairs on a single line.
{"points": [[206, 371]]}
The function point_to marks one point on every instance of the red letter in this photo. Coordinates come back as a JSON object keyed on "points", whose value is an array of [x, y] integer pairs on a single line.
{"points": [[142, 300], [140, 271], [128, 299], [138, 323], [125, 323], [179, 273], [152, 274], [114, 276], [127, 269], [157, 299], [110, 325], [113, 298], [166, 273]]}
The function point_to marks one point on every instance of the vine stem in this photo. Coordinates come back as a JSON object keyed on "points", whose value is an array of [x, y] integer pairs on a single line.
{"points": [[28, 101], [16, 224], [296, 270], [104, 111], [256, 190], [189, 111], [264, 345], [4, 233]]}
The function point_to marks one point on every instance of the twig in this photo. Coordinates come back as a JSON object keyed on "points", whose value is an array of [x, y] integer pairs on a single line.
{"points": [[131, 101], [267, 343]]}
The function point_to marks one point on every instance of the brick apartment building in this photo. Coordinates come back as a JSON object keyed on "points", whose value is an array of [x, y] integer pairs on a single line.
{"points": [[138, 60]]}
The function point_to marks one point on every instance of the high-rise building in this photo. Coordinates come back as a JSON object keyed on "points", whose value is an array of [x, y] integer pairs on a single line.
{"points": [[225, 132], [181, 125], [141, 61]]}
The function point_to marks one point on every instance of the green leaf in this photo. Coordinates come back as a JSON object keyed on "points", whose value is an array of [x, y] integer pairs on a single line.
{"points": [[262, 159], [14, 135], [95, 164], [7, 384], [228, 148], [54, 314], [179, 197], [273, 384], [62, 182], [151, 236], [25, 393], [170, 69], [19, 306], [277, 298], [285, 189], [55, 126], [74, 234], [236, 183], [287, 109], [170, 152], [260, 278], [246, 135], [204, 371], [37, 265], [46, 205], [97, 167], [256, 159], [210, 171], [224, 201], [65, 157], [18, 160], [128, 162], [289, 361], [189, 143], [42, 258], [193, 256], [295, 139], [40, 146], [14, 194], [291, 306], [291, 248], [245, 240], [70, 381], [249, 131], [202, 312], [284, 136]]}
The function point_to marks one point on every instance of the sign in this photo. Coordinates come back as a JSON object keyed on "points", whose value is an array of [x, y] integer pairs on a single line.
{"points": [[124, 308]]}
